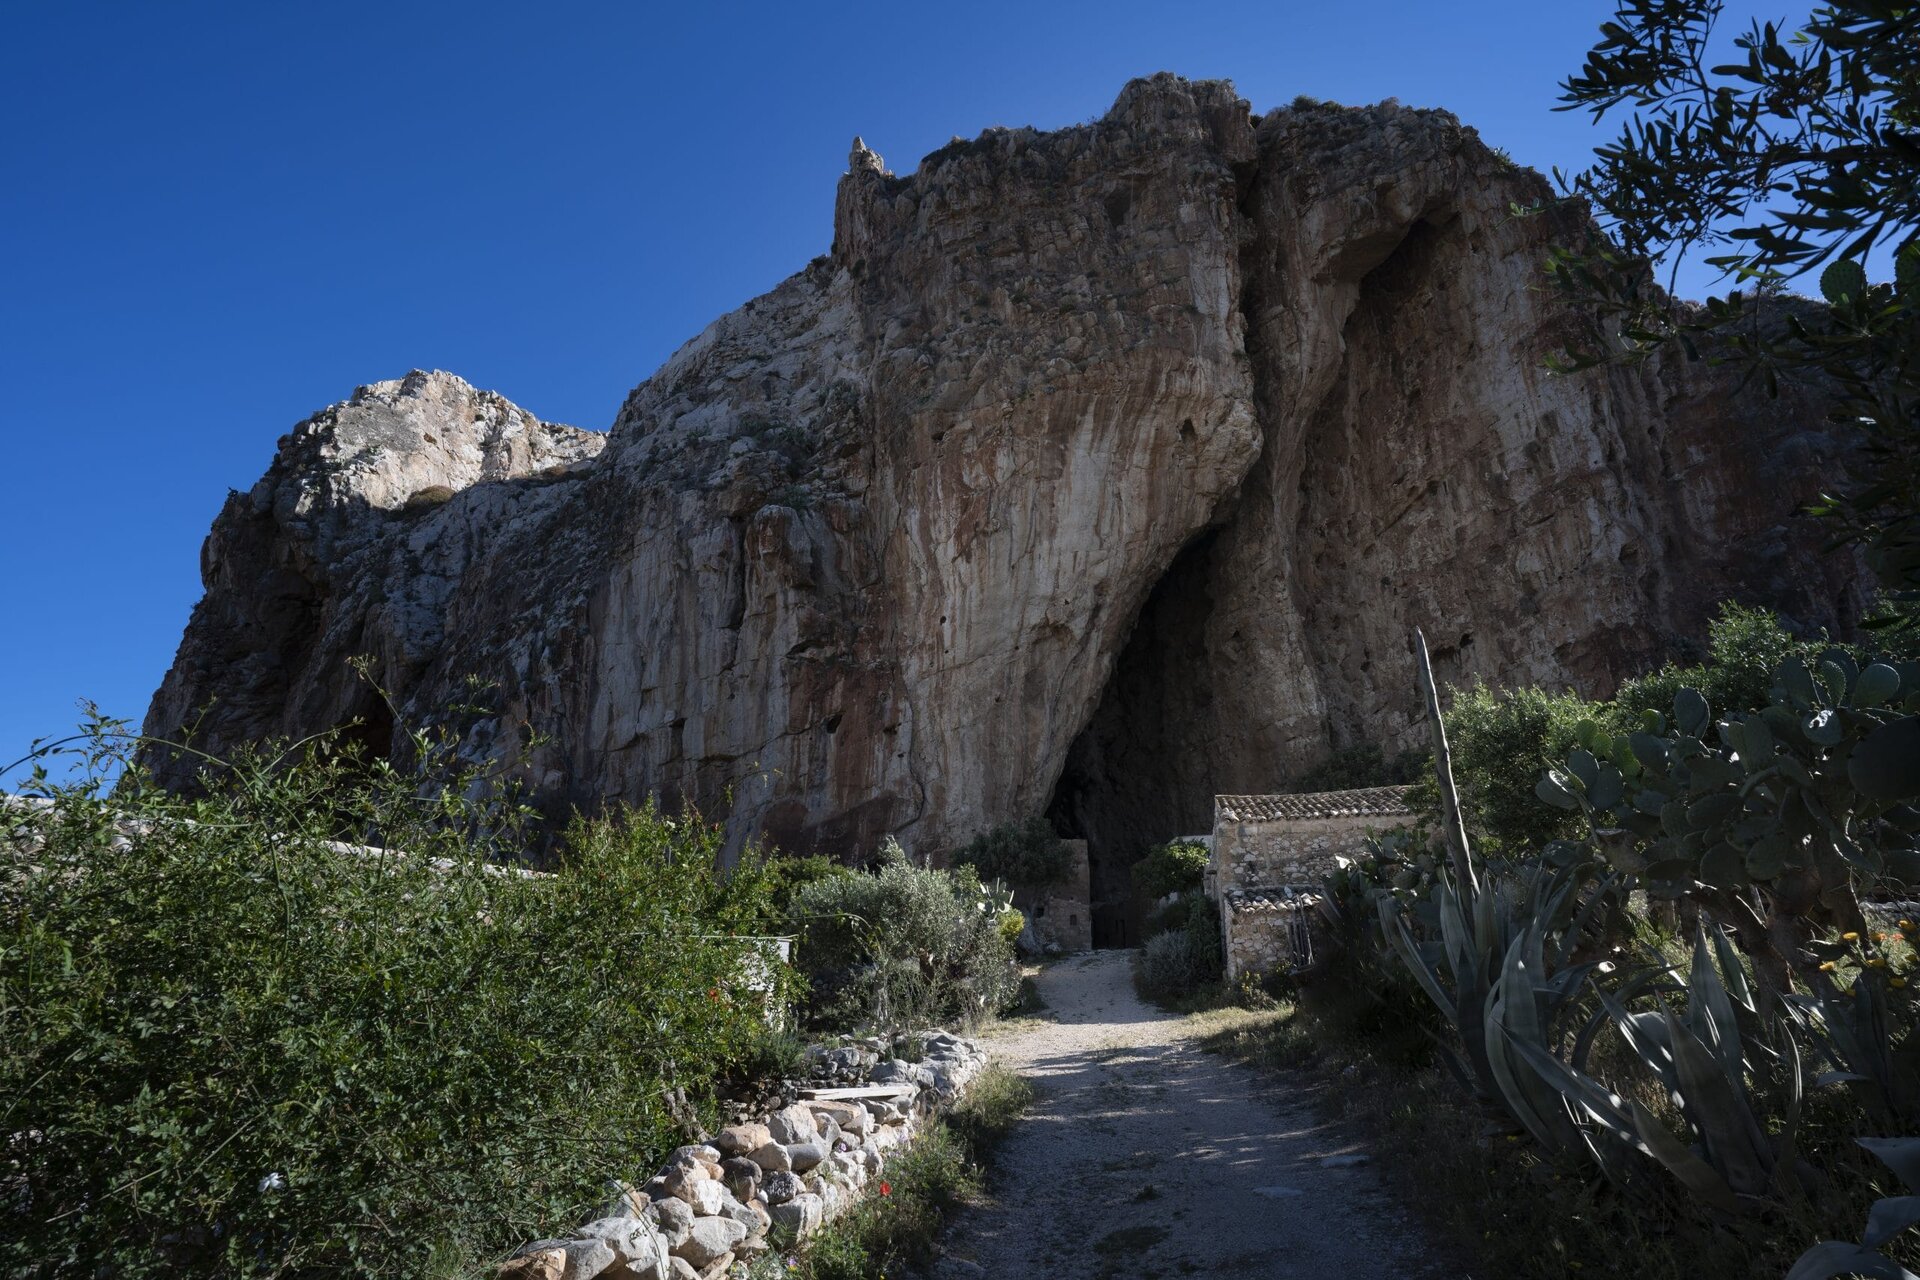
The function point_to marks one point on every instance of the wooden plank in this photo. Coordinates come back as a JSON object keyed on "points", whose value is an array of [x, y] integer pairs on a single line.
{"points": [[877, 1091]]}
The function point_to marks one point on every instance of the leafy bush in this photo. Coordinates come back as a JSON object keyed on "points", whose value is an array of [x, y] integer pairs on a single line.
{"points": [[786, 877], [1180, 961], [1189, 906], [1502, 741], [1744, 649], [1170, 868], [229, 1045], [904, 946], [1025, 854]]}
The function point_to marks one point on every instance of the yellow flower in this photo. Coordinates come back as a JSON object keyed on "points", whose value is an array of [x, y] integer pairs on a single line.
{"points": [[1878, 962], [1850, 936], [1906, 924], [1827, 967], [1898, 984]]}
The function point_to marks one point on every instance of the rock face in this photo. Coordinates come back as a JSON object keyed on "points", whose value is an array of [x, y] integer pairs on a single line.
{"points": [[1093, 472]]}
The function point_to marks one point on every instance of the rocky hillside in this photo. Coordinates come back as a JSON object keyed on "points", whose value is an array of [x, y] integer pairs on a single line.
{"points": [[1094, 471]]}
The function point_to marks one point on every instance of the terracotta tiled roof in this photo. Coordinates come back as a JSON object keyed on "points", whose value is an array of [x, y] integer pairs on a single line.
{"points": [[1368, 802], [1240, 901]]}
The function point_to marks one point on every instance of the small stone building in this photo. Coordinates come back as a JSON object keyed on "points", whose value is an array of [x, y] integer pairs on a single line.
{"points": [[1060, 917], [1270, 855]]}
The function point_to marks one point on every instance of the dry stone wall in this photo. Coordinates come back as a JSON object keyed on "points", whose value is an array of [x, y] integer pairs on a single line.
{"points": [[765, 1183]]}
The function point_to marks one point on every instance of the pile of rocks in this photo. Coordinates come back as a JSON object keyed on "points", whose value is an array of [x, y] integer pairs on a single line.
{"points": [[765, 1183]]}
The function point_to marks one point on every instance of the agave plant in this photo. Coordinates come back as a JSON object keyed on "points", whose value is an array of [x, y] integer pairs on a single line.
{"points": [[1867, 1035], [1887, 1219], [1703, 1058], [1494, 952]]}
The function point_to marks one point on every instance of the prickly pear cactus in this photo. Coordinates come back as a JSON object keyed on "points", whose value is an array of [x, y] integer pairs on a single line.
{"points": [[1802, 807]]}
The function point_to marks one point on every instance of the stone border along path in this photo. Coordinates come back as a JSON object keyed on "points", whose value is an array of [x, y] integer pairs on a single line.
{"points": [[1144, 1155]]}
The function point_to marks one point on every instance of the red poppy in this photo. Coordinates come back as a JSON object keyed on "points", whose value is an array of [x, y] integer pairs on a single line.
{"points": [[713, 993], [886, 1188]]}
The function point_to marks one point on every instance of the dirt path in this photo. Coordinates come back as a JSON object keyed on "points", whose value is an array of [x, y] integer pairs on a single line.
{"points": [[1145, 1156]]}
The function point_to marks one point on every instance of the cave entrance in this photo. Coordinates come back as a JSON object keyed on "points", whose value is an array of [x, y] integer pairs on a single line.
{"points": [[1140, 774]]}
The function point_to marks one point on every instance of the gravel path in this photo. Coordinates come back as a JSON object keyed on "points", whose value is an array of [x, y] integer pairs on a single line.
{"points": [[1144, 1156]]}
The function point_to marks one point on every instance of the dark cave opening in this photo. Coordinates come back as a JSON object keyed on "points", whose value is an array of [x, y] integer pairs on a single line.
{"points": [[1139, 773]]}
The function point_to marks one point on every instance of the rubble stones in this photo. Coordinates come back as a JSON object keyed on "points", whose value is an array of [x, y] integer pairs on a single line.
{"points": [[708, 1239], [782, 1187], [712, 1205], [739, 1139]]}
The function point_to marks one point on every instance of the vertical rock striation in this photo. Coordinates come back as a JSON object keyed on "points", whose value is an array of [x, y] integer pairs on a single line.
{"points": [[1103, 469]]}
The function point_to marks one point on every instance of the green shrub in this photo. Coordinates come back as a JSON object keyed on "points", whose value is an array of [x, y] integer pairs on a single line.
{"points": [[903, 946], [1170, 868], [1027, 854], [1180, 961], [1744, 648], [229, 1046], [1502, 742], [787, 877]]}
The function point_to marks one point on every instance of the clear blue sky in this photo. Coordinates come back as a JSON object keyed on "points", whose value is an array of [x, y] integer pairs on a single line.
{"points": [[218, 218]]}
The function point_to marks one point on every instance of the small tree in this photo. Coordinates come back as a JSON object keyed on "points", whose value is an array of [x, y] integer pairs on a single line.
{"points": [[1024, 854]]}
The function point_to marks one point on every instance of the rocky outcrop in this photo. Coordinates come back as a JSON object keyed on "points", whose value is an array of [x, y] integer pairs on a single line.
{"points": [[1099, 470]]}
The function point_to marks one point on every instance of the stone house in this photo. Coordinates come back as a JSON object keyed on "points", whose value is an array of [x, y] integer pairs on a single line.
{"points": [[1060, 917], [1269, 857]]}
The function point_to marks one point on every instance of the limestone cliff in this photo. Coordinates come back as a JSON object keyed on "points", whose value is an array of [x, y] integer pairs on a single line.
{"points": [[1095, 471]]}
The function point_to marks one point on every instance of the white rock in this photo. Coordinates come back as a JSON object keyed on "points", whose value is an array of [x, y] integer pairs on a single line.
{"points": [[792, 1124], [798, 1218], [709, 1238], [705, 1197], [640, 1251]]}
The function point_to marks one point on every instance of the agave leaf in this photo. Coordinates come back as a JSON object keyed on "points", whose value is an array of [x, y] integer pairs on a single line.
{"points": [[1513, 1016], [1581, 1090], [1831, 1258], [1716, 1106], [1735, 976], [1694, 1173], [1786, 1156], [1888, 1218], [1394, 926], [1840, 1077], [1902, 1155], [1710, 1011], [1627, 990]]}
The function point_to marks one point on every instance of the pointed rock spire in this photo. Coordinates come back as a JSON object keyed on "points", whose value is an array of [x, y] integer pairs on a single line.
{"points": [[862, 158]]}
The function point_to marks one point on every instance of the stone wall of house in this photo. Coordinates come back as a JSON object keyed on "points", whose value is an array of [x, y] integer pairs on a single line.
{"points": [[764, 1183], [1278, 851], [1060, 918], [1262, 935]]}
